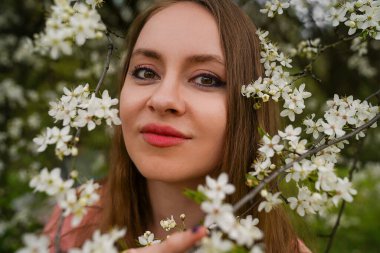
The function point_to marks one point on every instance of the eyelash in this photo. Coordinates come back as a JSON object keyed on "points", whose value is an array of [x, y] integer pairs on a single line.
{"points": [[215, 80]]}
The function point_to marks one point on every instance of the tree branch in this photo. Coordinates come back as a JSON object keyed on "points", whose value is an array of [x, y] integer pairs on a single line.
{"points": [[107, 62]]}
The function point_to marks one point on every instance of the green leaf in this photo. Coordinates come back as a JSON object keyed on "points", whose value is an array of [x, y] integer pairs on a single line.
{"points": [[197, 196], [238, 249], [261, 132]]}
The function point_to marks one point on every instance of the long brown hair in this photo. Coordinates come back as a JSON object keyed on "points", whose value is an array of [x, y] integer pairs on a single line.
{"points": [[126, 202]]}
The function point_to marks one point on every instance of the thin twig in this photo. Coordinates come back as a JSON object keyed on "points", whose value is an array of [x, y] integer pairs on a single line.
{"points": [[320, 138], [274, 175], [331, 236], [373, 95], [115, 34], [308, 68], [107, 63], [57, 238], [65, 169]]}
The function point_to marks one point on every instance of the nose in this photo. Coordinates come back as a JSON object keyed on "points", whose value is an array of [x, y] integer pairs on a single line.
{"points": [[167, 99]]}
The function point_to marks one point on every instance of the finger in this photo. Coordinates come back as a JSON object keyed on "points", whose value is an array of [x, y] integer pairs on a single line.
{"points": [[181, 242]]}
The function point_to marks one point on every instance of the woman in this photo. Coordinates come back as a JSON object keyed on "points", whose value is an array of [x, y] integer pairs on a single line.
{"points": [[183, 118]]}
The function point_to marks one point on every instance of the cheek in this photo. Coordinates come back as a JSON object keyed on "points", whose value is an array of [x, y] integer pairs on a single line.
{"points": [[131, 101], [213, 131], [208, 114]]}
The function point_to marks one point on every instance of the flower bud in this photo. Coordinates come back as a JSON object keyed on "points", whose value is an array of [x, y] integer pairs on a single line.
{"points": [[257, 106], [74, 151], [74, 174], [265, 98], [264, 193], [351, 24], [99, 35]]}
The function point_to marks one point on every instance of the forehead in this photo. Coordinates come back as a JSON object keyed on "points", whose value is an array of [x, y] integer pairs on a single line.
{"points": [[185, 28]]}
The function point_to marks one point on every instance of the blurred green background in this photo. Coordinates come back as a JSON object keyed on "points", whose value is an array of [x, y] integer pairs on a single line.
{"points": [[29, 81]]}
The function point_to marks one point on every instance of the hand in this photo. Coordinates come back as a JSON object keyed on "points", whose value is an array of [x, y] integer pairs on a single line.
{"points": [[178, 242]]}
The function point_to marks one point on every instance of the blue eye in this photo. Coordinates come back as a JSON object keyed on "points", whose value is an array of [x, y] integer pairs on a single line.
{"points": [[145, 73], [207, 80]]}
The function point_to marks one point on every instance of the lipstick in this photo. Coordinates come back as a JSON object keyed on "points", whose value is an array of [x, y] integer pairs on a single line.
{"points": [[162, 136]]}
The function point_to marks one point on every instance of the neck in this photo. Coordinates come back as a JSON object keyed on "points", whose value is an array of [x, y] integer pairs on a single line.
{"points": [[167, 199]]}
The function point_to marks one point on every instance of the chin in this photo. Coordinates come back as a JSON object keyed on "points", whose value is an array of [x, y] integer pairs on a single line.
{"points": [[170, 173]]}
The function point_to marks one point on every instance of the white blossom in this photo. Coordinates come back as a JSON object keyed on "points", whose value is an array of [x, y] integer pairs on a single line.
{"points": [[313, 127], [337, 15], [215, 244], [147, 239], [300, 171], [343, 190], [34, 243], [334, 126], [50, 182], [271, 200], [219, 188], [290, 133], [302, 202], [275, 6], [218, 213], [271, 145]]}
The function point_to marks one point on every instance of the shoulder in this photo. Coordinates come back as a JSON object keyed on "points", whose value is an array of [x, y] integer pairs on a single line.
{"points": [[302, 247], [71, 236]]}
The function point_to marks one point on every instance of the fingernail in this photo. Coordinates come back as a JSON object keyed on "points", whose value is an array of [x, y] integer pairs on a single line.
{"points": [[195, 229]]}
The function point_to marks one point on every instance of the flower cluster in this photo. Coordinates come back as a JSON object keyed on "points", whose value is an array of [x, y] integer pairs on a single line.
{"points": [[343, 115], [76, 109], [307, 48], [275, 6], [79, 108], [72, 201], [98, 243], [359, 59], [277, 83], [101, 242], [62, 139], [12, 93], [68, 24], [358, 15], [168, 224], [219, 215]]}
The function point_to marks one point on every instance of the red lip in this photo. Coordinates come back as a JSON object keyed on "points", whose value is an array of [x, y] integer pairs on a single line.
{"points": [[162, 136]]}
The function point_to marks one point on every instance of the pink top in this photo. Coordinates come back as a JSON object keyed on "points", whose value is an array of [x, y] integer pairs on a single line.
{"points": [[68, 233]]}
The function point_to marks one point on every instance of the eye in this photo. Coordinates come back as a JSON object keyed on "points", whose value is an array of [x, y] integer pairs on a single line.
{"points": [[145, 73], [207, 80]]}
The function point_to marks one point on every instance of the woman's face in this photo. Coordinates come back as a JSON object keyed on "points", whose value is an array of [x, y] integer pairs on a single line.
{"points": [[173, 104]]}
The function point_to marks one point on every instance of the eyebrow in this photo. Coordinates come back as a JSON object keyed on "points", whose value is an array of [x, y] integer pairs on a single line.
{"points": [[199, 58]]}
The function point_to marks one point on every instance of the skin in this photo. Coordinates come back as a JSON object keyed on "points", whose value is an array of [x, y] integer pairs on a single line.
{"points": [[176, 78]]}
